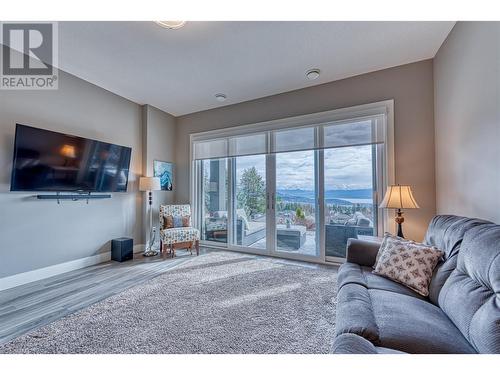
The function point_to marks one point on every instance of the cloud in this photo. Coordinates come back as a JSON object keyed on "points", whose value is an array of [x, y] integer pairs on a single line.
{"points": [[345, 168]]}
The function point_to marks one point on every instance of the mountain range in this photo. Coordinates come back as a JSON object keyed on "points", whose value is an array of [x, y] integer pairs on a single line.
{"points": [[331, 196]]}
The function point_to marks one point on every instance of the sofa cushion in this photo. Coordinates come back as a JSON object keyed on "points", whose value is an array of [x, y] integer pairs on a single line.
{"points": [[446, 233], [349, 343], [355, 313], [397, 321], [353, 273], [178, 235], [414, 326], [362, 252], [471, 294]]}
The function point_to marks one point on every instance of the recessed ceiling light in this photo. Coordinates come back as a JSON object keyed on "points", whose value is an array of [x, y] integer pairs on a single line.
{"points": [[171, 24], [220, 97], [312, 74]]}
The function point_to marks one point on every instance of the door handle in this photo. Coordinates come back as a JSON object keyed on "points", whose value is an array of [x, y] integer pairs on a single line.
{"points": [[272, 202], [267, 200]]}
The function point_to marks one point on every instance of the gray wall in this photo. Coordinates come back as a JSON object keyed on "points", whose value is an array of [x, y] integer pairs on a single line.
{"points": [[467, 121], [411, 87], [158, 144], [35, 234]]}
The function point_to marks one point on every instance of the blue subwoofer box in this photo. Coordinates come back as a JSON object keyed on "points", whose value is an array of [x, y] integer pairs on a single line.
{"points": [[122, 249]]}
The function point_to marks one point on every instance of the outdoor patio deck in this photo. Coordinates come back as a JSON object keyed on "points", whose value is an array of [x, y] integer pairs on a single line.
{"points": [[308, 248]]}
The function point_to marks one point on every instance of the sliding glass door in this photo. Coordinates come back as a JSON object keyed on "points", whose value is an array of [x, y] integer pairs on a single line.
{"points": [[296, 192], [249, 197], [350, 190], [271, 203], [296, 203], [214, 200]]}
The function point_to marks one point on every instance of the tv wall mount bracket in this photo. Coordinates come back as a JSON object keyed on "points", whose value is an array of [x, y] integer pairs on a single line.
{"points": [[73, 197]]}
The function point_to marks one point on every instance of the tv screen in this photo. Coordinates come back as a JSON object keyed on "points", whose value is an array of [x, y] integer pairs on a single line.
{"points": [[49, 161]]}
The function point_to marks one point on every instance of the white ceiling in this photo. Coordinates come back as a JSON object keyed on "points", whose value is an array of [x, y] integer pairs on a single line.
{"points": [[180, 71]]}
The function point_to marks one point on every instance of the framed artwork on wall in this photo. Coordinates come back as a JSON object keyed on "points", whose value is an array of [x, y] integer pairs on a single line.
{"points": [[163, 170]]}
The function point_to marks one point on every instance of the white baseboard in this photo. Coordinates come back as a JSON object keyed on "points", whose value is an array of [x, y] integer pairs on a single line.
{"points": [[139, 248], [43, 273]]}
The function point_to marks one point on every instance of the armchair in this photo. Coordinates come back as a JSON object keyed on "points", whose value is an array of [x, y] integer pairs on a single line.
{"points": [[181, 237]]}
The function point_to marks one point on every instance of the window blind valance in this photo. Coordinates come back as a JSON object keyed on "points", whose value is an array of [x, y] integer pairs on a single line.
{"points": [[294, 139], [210, 149], [342, 133], [248, 145], [354, 133], [231, 146]]}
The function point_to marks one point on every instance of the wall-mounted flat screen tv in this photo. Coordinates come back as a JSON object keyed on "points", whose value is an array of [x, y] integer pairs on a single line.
{"points": [[49, 161]]}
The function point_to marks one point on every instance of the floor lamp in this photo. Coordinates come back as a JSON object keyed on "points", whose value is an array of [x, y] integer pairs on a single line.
{"points": [[398, 197], [150, 184]]}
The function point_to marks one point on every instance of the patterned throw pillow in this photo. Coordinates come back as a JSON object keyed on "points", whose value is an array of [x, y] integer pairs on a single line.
{"points": [[177, 221], [168, 222], [407, 262], [186, 221], [394, 238]]}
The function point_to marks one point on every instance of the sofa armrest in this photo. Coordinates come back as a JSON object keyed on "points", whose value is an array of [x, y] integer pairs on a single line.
{"points": [[349, 343], [362, 252]]}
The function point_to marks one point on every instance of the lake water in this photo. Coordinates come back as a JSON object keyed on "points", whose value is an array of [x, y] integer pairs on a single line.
{"points": [[358, 200]]}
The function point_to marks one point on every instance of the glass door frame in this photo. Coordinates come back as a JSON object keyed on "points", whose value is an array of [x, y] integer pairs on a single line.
{"points": [[272, 240], [271, 232], [379, 176], [232, 240], [378, 155], [197, 207], [384, 163]]}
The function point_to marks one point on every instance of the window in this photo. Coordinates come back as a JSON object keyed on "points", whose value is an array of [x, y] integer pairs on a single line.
{"points": [[250, 201], [296, 203], [297, 187], [214, 200], [350, 196]]}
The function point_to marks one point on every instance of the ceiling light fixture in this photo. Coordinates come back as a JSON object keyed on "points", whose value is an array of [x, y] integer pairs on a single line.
{"points": [[312, 74], [171, 24], [220, 97]]}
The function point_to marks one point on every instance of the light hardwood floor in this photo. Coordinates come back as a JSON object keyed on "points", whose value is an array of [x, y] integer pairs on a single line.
{"points": [[33, 305]]}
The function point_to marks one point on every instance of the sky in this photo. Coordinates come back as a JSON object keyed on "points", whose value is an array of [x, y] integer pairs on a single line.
{"points": [[345, 168]]}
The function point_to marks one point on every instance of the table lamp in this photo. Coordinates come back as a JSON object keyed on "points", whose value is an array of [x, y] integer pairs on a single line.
{"points": [[150, 184], [398, 197]]}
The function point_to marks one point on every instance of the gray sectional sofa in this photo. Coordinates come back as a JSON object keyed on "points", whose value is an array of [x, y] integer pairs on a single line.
{"points": [[461, 314]]}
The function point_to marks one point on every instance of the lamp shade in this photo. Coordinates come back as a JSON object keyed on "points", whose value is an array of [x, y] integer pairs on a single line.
{"points": [[68, 151], [399, 196], [149, 183]]}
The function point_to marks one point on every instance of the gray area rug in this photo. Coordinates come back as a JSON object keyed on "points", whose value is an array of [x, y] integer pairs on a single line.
{"points": [[218, 302]]}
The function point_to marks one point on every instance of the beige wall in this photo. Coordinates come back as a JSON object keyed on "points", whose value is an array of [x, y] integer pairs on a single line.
{"points": [[158, 135], [31, 240], [36, 234], [411, 87], [467, 121]]}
